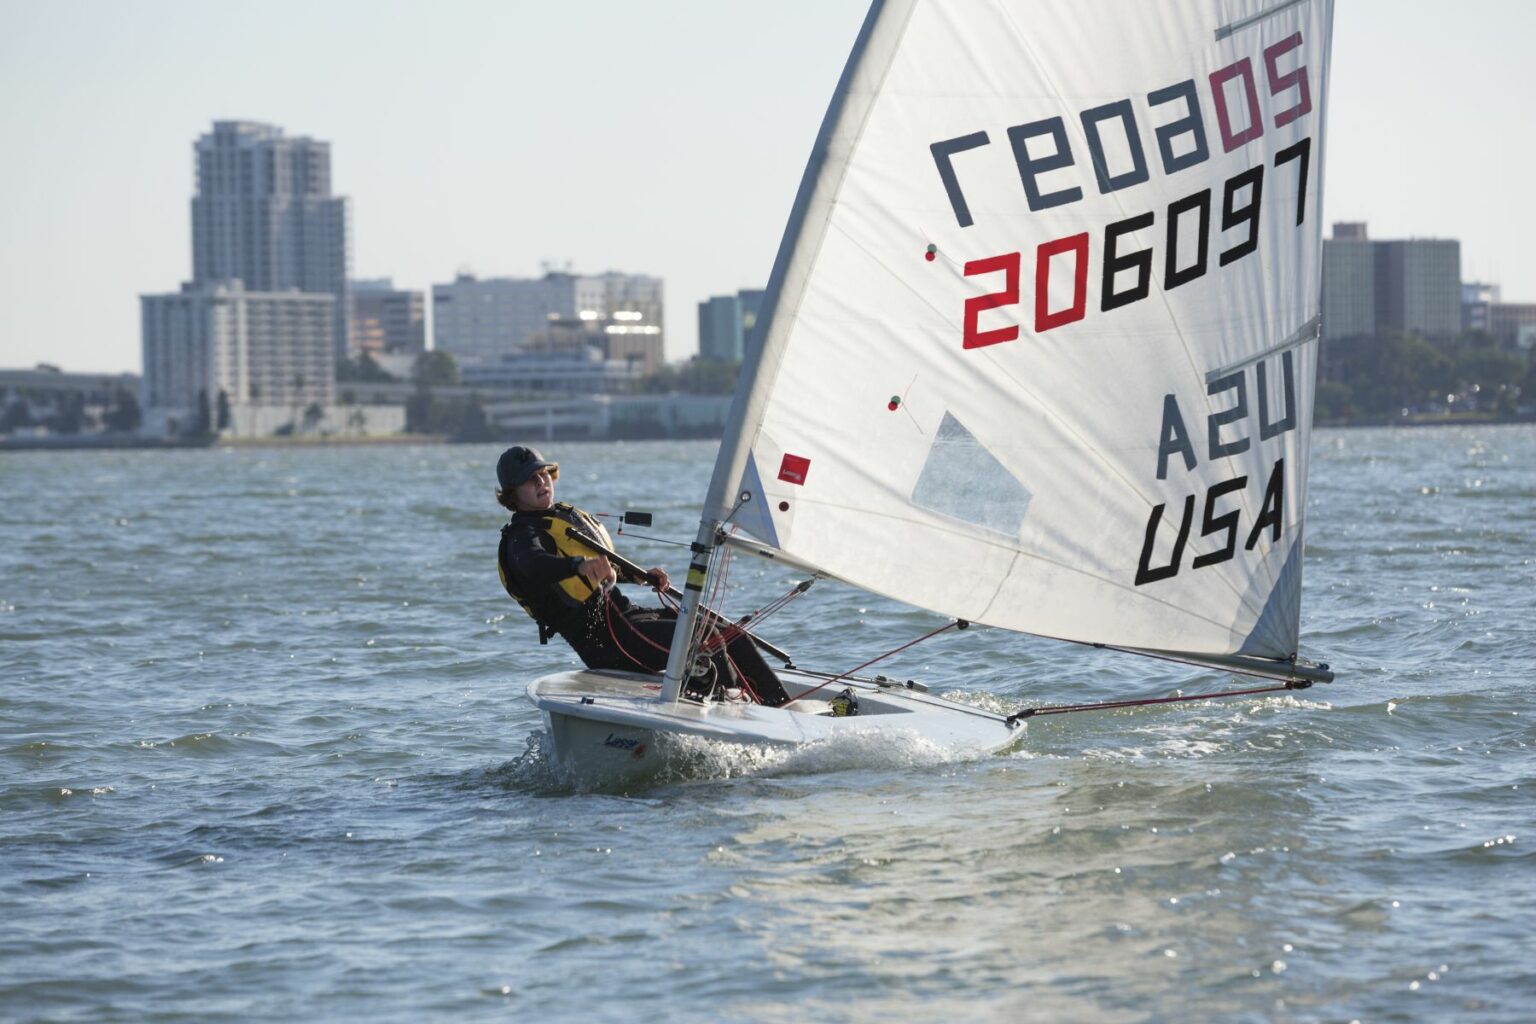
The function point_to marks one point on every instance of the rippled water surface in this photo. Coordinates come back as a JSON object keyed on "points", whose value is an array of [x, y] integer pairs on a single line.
{"points": [[265, 754]]}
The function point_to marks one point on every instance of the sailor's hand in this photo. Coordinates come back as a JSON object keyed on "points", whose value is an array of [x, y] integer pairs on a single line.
{"points": [[658, 578], [597, 571]]}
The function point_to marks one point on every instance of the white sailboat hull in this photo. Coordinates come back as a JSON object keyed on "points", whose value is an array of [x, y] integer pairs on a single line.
{"points": [[616, 721]]}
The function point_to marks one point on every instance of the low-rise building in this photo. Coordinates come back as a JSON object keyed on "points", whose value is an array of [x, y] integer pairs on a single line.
{"points": [[487, 318], [627, 335], [46, 400], [566, 372]]}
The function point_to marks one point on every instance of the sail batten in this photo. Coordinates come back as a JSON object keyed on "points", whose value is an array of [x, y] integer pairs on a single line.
{"points": [[1037, 347], [1269, 12], [1310, 331]]}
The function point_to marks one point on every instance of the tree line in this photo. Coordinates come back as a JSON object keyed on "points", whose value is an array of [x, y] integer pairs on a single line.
{"points": [[68, 413], [1393, 376]]}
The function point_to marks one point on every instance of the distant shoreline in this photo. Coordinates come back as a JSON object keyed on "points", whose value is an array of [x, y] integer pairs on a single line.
{"points": [[1429, 421], [100, 442]]}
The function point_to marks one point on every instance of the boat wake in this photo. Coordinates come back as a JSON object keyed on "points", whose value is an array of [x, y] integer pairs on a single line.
{"points": [[683, 759]]}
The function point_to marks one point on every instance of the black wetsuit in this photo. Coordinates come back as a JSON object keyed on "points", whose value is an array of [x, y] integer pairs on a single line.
{"points": [[539, 568]]}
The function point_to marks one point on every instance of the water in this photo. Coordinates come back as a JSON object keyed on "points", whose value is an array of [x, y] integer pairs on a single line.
{"points": [[265, 755]]}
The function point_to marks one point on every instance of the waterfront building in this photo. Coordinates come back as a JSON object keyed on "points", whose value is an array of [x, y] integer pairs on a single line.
{"points": [[720, 334], [583, 371], [1510, 324], [1418, 286], [1514, 324], [1477, 300], [751, 300], [1349, 283], [31, 400], [623, 336], [582, 354], [270, 354], [595, 416], [487, 318], [726, 323], [1410, 285], [386, 320], [264, 215]]}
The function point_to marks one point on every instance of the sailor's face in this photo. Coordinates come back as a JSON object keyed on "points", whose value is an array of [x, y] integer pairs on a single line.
{"points": [[537, 492]]}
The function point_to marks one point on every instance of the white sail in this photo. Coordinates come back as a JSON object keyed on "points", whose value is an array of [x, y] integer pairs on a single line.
{"points": [[954, 403]]}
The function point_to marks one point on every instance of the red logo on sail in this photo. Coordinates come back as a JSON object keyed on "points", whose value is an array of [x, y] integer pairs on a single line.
{"points": [[794, 468]]}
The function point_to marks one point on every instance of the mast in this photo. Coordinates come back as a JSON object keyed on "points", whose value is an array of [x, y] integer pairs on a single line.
{"points": [[761, 359]]}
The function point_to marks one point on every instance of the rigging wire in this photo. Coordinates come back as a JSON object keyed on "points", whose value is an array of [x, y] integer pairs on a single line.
{"points": [[741, 499], [775, 605], [958, 623]]}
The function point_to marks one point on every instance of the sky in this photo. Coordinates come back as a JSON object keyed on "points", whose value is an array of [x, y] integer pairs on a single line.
{"points": [[661, 137]]}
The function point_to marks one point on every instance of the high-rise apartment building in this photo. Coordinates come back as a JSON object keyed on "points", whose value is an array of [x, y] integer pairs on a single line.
{"points": [[264, 215], [474, 318], [269, 353]]}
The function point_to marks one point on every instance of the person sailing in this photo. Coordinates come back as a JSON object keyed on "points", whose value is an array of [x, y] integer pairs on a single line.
{"points": [[569, 589]]}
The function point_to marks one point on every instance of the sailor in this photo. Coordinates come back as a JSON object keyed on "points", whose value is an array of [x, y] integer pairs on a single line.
{"points": [[568, 587]]}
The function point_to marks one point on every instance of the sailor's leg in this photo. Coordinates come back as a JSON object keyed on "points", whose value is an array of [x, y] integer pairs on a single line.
{"points": [[744, 656], [645, 635]]}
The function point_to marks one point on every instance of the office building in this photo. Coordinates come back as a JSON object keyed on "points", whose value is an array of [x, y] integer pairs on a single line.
{"points": [[1513, 324], [1409, 285], [264, 215], [1509, 324], [720, 333], [624, 336], [726, 323], [386, 320], [582, 371], [492, 317], [1477, 301], [1349, 283], [1418, 286], [751, 300]]}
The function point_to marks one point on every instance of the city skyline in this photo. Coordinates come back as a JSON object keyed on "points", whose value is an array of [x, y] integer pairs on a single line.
{"points": [[666, 140]]}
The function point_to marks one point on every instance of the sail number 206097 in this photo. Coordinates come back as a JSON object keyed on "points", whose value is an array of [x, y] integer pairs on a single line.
{"points": [[1244, 110], [1240, 206]]}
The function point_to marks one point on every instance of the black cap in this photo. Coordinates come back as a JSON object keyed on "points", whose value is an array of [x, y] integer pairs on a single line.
{"points": [[516, 465]]}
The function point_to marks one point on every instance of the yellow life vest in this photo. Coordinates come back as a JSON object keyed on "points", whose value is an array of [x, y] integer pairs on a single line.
{"points": [[574, 590]]}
